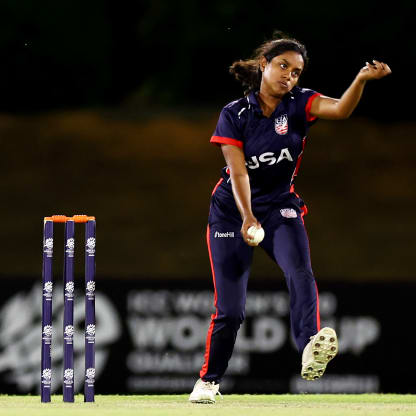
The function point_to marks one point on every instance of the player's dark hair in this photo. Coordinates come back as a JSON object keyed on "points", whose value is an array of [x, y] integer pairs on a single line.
{"points": [[248, 71]]}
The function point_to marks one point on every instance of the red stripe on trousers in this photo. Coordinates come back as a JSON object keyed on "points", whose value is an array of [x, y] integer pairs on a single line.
{"points": [[318, 317], [302, 214], [215, 188], [211, 327]]}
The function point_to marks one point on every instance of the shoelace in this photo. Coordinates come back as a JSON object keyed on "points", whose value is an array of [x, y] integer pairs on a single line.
{"points": [[210, 385]]}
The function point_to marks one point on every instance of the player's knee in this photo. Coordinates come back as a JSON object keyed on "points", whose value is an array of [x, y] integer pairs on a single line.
{"points": [[233, 319], [303, 274]]}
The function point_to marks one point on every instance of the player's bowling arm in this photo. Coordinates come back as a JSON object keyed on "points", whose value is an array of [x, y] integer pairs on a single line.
{"points": [[338, 109], [234, 157]]}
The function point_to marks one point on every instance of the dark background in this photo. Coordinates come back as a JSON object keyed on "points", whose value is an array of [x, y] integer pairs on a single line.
{"points": [[105, 53], [107, 108]]}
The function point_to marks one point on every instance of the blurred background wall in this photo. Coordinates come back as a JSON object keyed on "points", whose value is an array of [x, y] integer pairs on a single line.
{"points": [[107, 107]]}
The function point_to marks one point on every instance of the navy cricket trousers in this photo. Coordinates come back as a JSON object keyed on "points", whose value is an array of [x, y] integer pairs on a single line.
{"points": [[286, 242]]}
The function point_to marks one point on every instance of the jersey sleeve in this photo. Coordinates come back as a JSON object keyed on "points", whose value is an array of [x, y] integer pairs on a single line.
{"points": [[228, 130], [304, 104]]}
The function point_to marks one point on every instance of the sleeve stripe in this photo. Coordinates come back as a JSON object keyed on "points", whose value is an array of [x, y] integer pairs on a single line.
{"points": [[308, 107], [226, 140]]}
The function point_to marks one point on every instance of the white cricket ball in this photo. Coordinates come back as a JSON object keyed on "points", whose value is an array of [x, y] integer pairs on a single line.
{"points": [[256, 234]]}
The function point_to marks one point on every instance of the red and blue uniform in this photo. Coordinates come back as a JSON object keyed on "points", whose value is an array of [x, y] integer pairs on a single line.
{"points": [[273, 148]]}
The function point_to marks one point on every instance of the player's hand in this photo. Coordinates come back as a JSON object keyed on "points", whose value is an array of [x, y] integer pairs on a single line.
{"points": [[249, 221], [374, 70]]}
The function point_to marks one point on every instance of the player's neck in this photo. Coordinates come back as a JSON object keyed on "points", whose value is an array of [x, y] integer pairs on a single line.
{"points": [[268, 103]]}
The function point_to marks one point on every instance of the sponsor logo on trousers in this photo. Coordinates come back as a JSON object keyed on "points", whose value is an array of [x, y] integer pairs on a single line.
{"points": [[224, 235], [288, 213]]}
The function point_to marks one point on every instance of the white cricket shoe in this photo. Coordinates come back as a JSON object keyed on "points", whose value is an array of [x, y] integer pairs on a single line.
{"points": [[321, 349], [204, 392]]}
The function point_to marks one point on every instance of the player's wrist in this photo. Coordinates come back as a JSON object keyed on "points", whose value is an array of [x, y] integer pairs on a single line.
{"points": [[361, 79], [249, 218]]}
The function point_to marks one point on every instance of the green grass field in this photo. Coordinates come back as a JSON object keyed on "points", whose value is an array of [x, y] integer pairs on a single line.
{"points": [[229, 405]]}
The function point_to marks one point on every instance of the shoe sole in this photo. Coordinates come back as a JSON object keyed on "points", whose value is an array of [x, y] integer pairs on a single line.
{"points": [[324, 349], [198, 399], [202, 401]]}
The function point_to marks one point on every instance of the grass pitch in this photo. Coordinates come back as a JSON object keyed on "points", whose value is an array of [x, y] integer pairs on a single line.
{"points": [[229, 405]]}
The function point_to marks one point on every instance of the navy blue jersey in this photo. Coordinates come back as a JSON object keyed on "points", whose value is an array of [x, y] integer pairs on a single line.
{"points": [[272, 146]]}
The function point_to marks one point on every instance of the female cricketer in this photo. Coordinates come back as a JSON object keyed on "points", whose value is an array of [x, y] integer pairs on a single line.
{"points": [[262, 137]]}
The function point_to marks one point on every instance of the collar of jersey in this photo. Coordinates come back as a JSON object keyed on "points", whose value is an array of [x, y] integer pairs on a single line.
{"points": [[254, 104]]}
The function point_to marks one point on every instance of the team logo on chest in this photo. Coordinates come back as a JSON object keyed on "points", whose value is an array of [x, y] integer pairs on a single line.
{"points": [[280, 124]]}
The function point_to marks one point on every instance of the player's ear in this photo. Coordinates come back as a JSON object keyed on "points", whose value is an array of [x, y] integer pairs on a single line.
{"points": [[263, 63]]}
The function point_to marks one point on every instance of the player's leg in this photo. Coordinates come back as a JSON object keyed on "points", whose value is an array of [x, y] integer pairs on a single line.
{"points": [[230, 259], [287, 243]]}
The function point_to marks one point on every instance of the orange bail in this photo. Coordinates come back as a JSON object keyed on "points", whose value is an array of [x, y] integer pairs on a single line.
{"points": [[75, 218], [82, 218], [56, 218]]}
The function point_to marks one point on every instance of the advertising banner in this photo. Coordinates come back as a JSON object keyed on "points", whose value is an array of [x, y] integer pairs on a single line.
{"points": [[150, 338]]}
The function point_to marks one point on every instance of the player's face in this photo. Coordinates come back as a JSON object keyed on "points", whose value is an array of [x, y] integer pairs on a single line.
{"points": [[281, 74]]}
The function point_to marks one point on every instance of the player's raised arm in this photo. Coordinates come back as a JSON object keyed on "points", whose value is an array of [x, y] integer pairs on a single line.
{"points": [[337, 109]]}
